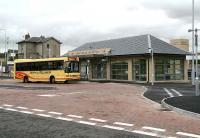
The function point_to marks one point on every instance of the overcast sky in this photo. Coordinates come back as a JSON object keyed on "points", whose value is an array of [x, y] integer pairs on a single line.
{"points": [[75, 22]]}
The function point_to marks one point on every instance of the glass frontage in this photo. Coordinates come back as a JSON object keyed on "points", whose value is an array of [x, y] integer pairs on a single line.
{"points": [[119, 70], [99, 70], [169, 69], [139, 69]]}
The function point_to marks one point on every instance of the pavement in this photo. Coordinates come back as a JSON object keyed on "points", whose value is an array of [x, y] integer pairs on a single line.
{"points": [[109, 106]]}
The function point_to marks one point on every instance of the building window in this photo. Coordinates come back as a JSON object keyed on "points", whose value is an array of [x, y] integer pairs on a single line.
{"points": [[139, 69], [99, 70], [119, 70], [169, 69]]}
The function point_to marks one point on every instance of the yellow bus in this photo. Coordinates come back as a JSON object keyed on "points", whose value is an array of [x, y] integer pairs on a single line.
{"points": [[47, 70]]}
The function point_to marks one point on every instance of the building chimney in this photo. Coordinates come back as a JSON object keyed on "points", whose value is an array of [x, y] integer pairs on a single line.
{"points": [[27, 36]]}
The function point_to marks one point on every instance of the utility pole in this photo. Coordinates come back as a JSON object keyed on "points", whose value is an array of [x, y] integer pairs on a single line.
{"points": [[196, 56], [193, 73]]}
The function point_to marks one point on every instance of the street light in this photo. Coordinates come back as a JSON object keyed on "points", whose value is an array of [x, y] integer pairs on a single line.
{"points": [[196, 55], [5, 44], [193, 83], [152, 65]]}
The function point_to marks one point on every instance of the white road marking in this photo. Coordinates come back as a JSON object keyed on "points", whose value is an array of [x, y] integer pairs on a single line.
{"points": [[55, 113], [154, 129], [73, 93], [44, 115], [1, 107], [10, 109], [177, 92], [38, 110], [8, 105], [26, 112], [98, 120], [87, 123], [171, 137], [168, 92], [113, 127], [188, 134], [76, 116], [123, 124], [20, 107], [64, 118], [47, 95], [145, 133]]}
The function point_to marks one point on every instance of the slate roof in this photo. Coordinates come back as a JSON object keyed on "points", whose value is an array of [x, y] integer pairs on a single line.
{"points": [[37, 40], [133, 46]]}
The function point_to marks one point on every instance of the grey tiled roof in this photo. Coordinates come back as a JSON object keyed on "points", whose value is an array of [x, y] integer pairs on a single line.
{"points": [[133, 45], [38, 40]]}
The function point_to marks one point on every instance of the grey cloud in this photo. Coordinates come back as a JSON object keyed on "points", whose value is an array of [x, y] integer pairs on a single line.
{"points": [[176, 9]]}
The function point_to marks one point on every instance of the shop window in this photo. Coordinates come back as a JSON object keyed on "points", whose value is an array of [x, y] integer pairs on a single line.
{"points": [[139, 70], [119, 70], [169, 69]]}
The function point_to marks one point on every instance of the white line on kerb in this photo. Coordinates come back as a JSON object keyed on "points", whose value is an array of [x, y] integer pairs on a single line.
{"points": [[177, 92], [168, 92], [44, 115], [26, 112], [55, 113], [47, 95], [113, 127], [38, 110], [145, 133], [154, 129], [123, 124], [10, 109], [20, 107], [73, 93], [76, 116], [87, 123], [98, 120], [8, 105], [188, 134], [64, 118]]}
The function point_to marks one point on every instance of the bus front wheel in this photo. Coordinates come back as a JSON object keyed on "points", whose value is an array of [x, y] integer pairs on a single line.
{"points": [[25, 80], [52, 79]]}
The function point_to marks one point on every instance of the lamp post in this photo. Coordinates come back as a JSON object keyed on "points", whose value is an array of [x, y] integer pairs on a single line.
{"points": [[5, 45], [152, 65], [193, 81], [196, 56]]}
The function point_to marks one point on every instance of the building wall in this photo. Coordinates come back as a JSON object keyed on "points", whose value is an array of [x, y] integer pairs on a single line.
{"points": [[180, 43], [130, 60], [40, 50], [53, 50]]}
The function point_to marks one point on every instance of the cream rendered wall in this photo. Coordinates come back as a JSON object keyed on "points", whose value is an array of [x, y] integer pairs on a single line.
{"points": [[108, 69]]}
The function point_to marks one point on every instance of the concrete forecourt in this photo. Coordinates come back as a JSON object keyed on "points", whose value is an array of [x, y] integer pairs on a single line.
{"points": [[89, 108]]}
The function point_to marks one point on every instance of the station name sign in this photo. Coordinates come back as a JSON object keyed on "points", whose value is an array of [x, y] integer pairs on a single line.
{"points": [[102, 51]]}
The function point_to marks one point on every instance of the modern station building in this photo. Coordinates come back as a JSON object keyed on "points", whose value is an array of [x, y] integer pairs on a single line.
{"points": [[143, 58]]}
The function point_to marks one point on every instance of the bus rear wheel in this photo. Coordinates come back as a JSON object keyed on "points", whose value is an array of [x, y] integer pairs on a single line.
{"points": [[52, 80], [25, 80]]}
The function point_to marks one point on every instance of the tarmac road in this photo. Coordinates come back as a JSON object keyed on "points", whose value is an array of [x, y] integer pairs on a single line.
{"points": [[18, 125], [160, 91]]}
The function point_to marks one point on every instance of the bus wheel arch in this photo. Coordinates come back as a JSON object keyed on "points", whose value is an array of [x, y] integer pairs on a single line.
{"points": [[52, 79], [25, 79]]}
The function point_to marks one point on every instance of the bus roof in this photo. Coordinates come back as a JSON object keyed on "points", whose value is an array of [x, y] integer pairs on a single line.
{"points": [[44, 59]]}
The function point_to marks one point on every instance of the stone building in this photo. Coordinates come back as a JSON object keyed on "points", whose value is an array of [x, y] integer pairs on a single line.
{"points": [[143, 58], [38, 47], [180, 43]]}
